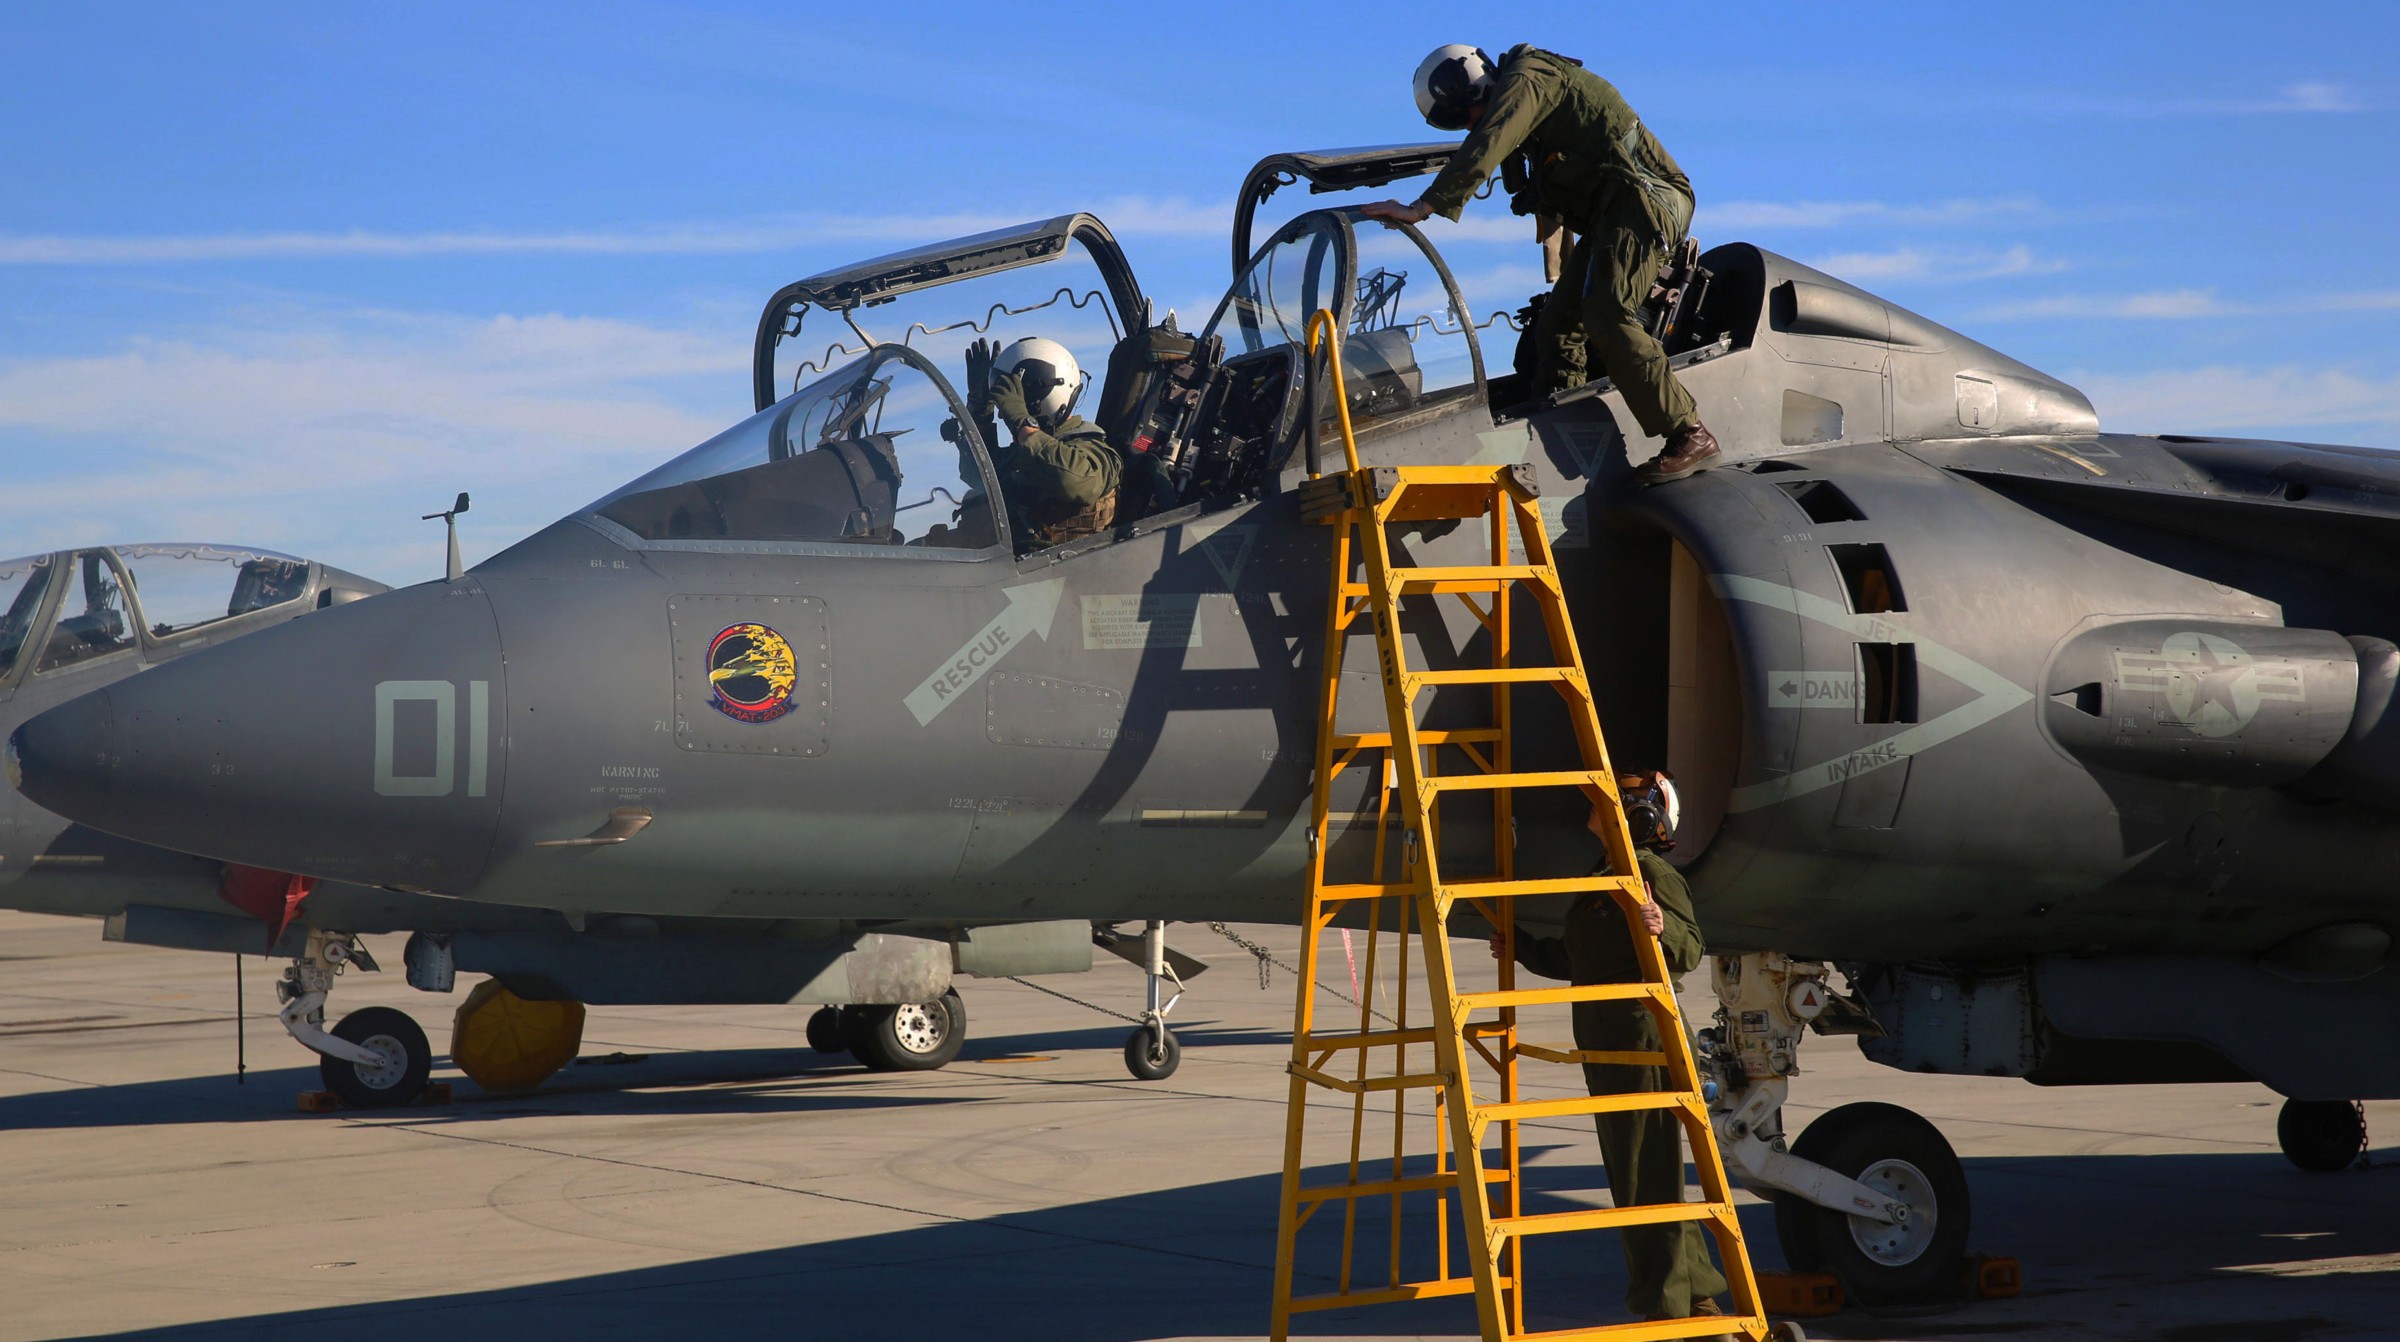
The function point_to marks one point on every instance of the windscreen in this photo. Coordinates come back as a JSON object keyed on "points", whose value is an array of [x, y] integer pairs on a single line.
{"points": [[1292, 277], [22, 582], [870, 454]]}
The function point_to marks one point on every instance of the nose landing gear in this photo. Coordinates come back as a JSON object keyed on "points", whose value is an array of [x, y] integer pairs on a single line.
{"points": [[375, 1057]]}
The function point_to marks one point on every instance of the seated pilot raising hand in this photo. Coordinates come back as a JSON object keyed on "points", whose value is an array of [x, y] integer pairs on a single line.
{"points": [[1059, 473]]}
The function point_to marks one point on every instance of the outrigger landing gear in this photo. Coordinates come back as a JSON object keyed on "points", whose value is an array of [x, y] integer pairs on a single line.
{"points": [[2322, 1136], [1871, 1192], [375, 1057], [1151, 1051]]}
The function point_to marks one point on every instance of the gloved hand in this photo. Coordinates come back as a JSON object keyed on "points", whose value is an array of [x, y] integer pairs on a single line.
{"points": [[1008, 397], [980, 357]]}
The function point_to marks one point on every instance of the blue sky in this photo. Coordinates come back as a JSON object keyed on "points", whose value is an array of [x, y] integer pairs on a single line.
{"points": [[292, 274]]}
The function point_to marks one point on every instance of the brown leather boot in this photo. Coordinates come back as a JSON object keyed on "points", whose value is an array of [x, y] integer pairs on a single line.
{"points": [[1687, 450]]}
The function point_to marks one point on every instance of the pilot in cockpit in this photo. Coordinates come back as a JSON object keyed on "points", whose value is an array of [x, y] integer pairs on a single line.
{"points": [[1059, 473]]}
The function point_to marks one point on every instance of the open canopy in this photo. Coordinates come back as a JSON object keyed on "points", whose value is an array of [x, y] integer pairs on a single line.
{"points": [[1329, 170], [884, 278]]}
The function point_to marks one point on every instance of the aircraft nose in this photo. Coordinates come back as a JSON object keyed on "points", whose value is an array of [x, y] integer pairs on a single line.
{"points": [[361, 743]]}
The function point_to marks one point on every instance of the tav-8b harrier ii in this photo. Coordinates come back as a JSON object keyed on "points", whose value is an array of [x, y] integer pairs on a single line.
{"points": [[2068, 750]]}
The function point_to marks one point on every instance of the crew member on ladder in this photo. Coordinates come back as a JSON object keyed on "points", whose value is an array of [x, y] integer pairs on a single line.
{"points": [[1669, 1265], [1591, 164]]}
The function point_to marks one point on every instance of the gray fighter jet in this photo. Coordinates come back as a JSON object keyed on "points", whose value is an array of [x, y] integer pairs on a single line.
{"points": [[73, 621], [2035, 750]]}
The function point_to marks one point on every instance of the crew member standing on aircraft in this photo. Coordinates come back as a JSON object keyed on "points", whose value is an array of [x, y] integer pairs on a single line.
{"points": [[1059, 472], [1594, 166], [1671, 1272]]}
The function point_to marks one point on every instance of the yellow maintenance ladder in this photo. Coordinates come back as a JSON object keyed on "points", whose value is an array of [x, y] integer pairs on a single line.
{"points": [[1487, 1183]]}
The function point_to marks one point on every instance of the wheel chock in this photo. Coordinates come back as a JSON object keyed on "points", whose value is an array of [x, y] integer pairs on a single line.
{"points": [[1989, 1277], [326, 1102], [1805, 1295]]}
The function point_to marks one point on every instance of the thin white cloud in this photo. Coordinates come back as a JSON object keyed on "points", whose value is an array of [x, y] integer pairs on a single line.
{"points": [[1131, 215], [2185, 305], [2227, 399], [1938, 265], [1764, 214], [325, 434], [2314, 96]]}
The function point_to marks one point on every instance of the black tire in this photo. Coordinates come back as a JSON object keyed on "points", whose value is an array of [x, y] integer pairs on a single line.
{"points": [[914, 1037], [1795, 1220], [825, 1031], [2322, 1136], [1889, 1148], [408, 1060], [1152, 1058]]}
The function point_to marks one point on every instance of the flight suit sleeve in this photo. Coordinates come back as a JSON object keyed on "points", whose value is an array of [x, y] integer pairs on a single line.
{"points": [[1077, 468], [1524, 97], [1680, 940], [1546, 956]]}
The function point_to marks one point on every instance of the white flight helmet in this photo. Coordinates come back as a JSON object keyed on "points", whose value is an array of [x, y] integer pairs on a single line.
{"points": [[1450, 81], [1053, 380]]}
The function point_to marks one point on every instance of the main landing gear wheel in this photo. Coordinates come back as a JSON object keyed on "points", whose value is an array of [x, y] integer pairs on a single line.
{"points": [[1152, 1053], [405, 1060], [2322, 1136], [1902, 1156], [825, 1031], [911, 1037]]}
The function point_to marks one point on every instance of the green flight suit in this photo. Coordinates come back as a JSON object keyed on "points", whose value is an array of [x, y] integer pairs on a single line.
{"points": [[1597, 169], [1669, 1265], [1060, 483]]}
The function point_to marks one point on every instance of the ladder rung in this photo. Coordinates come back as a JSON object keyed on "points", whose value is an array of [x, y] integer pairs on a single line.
{"points": [[1329, 1043], [1609, 1218], [1589, 992], [1412, 1290], [1494, 782], [1706, 1326], [1406, 1081], [1492, 887], [1429, 736], [1630, 1102], [1466, 578], [1381, 1188], [1337, 894], [1601, 1056], [1493, 675]]}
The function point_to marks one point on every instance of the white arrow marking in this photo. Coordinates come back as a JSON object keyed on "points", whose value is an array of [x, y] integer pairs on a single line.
{"points": [[1030, 609], [1995, 694]]}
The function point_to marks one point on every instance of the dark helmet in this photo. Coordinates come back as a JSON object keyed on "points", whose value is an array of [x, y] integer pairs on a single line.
{"points": [[1450, 81], [1651, 809]]}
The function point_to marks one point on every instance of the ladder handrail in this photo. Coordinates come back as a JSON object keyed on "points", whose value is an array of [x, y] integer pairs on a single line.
{"points": [[1323, 320]]}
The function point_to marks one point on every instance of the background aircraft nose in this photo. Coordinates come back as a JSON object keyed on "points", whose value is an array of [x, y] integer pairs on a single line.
{"points": [[359, 743], [60, 758]]}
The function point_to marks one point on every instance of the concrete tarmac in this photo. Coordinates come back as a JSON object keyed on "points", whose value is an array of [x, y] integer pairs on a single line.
{"points": [[715, 1177]]}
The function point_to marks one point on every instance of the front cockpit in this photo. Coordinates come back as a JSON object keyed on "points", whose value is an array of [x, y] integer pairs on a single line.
{"points": [[870, 454]]}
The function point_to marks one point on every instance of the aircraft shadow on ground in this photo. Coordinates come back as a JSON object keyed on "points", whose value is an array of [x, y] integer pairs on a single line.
{"points": [[793, 1080], [1197, 1261], [605, 1080]]}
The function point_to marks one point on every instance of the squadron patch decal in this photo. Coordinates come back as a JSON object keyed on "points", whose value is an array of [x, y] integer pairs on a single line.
{"points": [[751, 671]]}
